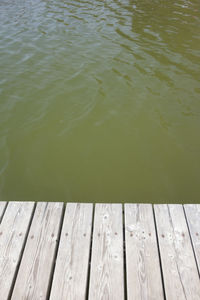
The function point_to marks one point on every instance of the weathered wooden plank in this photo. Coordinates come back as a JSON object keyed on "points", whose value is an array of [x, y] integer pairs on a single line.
{"points": [[36, 265], [2, 208], [72, 265], [193, 217], [13, 231], [142, 259], [107, 267], [180, 273]]}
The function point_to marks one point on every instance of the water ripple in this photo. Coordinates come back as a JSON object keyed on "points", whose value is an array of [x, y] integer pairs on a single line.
{"points": [[96, 71]]}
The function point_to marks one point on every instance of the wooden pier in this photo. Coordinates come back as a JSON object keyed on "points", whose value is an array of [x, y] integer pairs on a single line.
{"points": [[78, 251]]}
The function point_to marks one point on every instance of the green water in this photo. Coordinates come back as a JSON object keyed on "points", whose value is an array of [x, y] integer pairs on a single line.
{"points": [[100, 100]]}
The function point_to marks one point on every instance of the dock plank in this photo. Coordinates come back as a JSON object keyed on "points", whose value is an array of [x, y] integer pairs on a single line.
{"points": [[142, 259], [2, 208], [72, 264], [13, 231], [180, 273], [36, 265], [107, 266], [193, 217]]}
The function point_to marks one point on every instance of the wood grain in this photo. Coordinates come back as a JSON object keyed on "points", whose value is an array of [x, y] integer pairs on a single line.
{"points": [[107, 266], [193, 217], [71, 272], [142, 260], [32, 281], [13, 231], [180, 273]]}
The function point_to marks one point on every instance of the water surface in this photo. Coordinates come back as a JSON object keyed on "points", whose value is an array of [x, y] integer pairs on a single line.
{"points": [[100, 100]]}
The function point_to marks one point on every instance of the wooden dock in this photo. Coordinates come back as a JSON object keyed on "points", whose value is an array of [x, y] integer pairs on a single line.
{"points": [[78, 251]]}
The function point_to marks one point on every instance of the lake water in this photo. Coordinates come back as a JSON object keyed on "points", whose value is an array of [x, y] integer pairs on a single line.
{"points": [[100, 100]]}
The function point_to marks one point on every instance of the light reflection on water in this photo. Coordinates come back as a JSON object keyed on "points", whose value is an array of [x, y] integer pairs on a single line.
{"points": [[99, 100]]}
